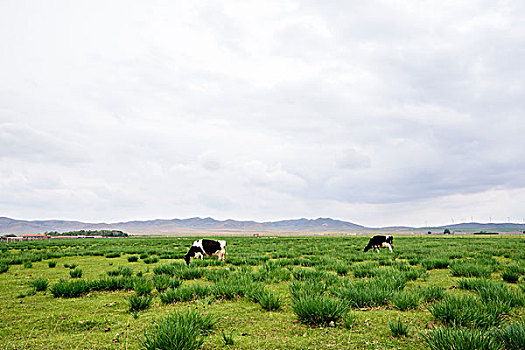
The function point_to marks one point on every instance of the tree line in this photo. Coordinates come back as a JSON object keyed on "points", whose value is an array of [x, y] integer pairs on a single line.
{"points": [[103, 233]]}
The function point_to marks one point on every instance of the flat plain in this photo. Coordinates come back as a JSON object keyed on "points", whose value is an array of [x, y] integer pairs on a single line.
{"points": [[284, 292]]}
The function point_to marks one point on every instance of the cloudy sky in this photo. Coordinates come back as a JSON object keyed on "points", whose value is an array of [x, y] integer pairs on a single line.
{"points": [[375, 112]]}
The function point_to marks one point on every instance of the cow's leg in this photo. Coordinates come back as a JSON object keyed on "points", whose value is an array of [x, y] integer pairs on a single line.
{"points": [[387, 245]]}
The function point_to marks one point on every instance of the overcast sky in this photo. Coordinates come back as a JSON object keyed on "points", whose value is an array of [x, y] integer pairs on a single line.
{"points": [[374, 112]]}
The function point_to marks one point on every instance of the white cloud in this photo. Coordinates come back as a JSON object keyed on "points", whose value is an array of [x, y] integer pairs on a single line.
{"points": [[376, 112]]}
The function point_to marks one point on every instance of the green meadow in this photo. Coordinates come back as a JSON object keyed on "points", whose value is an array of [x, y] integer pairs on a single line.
{"points": [[285, 292]]}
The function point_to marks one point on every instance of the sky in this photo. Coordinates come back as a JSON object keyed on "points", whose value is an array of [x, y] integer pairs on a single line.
{"points": [[375, 112]]}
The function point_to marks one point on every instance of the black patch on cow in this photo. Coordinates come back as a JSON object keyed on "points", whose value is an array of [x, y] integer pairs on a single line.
{"points": [[210, 246], [378, 240], [191, 253]]}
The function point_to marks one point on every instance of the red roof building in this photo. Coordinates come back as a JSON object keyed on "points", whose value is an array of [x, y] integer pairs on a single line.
{"points": [[31, 236]]}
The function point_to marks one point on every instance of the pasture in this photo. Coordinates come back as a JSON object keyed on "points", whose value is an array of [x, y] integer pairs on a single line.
{"points": [[293, 292]]}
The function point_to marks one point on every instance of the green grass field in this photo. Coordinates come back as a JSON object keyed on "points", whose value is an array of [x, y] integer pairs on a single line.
{"points": [[300, 292]]}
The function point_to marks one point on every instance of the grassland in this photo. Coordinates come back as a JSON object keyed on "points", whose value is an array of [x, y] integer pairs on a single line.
{"points": [[272, 293]]}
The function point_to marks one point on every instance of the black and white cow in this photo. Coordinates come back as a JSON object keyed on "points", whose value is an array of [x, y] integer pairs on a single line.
{"points": [[206, 247], [377, 242]]}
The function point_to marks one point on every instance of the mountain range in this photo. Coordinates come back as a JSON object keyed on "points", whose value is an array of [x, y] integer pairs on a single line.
{"points": [[209, 225]]}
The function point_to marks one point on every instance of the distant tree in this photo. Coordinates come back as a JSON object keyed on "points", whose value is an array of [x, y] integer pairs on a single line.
{"points": [[429, 232], [446, 232], [103, 233]]}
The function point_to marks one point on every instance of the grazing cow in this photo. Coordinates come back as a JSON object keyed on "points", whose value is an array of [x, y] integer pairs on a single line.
{"points": [[206, 247], [377, 242]]}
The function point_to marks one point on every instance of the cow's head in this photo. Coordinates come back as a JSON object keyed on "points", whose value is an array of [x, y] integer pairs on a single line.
{"points": [[187, 258]]}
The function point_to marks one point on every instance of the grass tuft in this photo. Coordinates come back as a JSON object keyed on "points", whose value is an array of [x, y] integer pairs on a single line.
{"points": [[459, 339], [405, 300], [510, 276], [4, 268], [228, 339], [183, 294], [318, 309], [163, 282], [139, 302], [179, 330], [269, 301], [399, 328], [76, 273], [435, 263], [236, 286], [152, 260], [349, 320], [39, 284], [120, 271], [180, 270], [432, 293], [143, 286], [366, 269], [464, 268], [512, 336], [70, 289], [468, 312], [493, 292], [373, 292]]}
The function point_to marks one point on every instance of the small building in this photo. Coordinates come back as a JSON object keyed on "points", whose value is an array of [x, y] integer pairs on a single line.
{"points": [[33, 236], [66, 237], [11, 238]]}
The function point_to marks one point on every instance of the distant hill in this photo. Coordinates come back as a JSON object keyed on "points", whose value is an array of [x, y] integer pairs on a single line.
{"points": [[192, 225], [476, 226], [209, 225]]}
